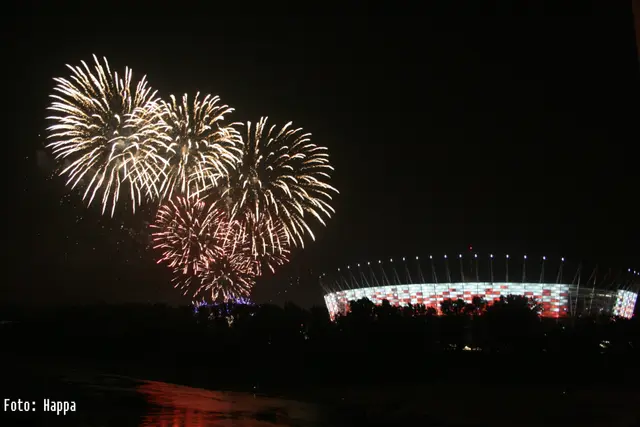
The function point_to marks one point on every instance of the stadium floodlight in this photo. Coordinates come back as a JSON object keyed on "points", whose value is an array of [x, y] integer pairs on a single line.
{"points": [[544, 258], [445, 256], [491, 255], [562, 260], [416, 257], [430, 256], [507, 256], [525, 257], [460, 255], [475, 256]]}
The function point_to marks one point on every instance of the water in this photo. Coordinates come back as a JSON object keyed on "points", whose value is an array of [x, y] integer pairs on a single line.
{"points": [[179, 406], [120, 401], [110, 401]]}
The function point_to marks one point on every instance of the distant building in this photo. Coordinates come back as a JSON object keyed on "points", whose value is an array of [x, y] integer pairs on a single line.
{"points": [[464, 277]]}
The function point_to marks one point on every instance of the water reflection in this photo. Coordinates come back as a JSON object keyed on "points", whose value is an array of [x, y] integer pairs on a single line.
{"points": [[177, 406]]}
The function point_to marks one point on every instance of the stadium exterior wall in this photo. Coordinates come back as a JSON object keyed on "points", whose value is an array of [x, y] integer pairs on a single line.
{"points": [[557, 299]]}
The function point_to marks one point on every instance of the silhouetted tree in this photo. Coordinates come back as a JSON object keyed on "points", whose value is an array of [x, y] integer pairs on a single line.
{"points": [[513, 324]]}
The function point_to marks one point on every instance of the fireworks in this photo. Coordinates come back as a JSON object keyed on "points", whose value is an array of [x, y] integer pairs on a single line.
{"points": [[197, 149], [230, 276], [188, 234], [104, 134], [231, 206], [268, 243], [206, 251], [280, 182]]}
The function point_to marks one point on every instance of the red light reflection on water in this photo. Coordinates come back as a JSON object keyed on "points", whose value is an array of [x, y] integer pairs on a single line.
{"points": [[179, 406]]}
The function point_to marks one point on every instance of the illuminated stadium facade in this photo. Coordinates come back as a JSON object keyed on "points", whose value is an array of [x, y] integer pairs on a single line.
{"points": [[402, 282]]}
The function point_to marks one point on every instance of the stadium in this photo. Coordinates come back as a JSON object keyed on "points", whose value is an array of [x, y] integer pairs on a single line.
{"points": [[561, 291]]}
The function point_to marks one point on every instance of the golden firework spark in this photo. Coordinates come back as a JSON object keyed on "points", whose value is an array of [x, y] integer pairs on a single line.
{"points": [[198, 150], [105, 134], [268, 242], [281, 181]]}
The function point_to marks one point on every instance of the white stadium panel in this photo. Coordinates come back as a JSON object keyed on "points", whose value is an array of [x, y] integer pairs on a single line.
{"points": [[625, 303]]}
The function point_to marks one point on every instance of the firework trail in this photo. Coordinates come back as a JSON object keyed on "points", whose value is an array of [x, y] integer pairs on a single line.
{"points": [[104, 133], [281, 181], [198, 150]]}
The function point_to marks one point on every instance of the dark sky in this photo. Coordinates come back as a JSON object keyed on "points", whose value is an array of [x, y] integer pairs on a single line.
{"points": [[511, 130]]}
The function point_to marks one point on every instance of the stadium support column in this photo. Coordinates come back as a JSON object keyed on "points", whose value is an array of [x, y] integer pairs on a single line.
{"points": [[461, 269], [396, 277], [407, 271], [435, 280], [385, 279], [433, 270], [353, 282], [491, 267], [477, 275], [544, 258], [524, 269], [420, 271], [363, 277], [342, 281], [576, 281], [559, 277], [507, 269], [477, 270], [593, 290], [374, 278], [446, 267]]}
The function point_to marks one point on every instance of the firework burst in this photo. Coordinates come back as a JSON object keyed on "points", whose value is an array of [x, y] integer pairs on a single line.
{"points": [[205, 250], [226, 277], [197, 148], [280, 182], [230, 276], [104, 133], [188, 232]]}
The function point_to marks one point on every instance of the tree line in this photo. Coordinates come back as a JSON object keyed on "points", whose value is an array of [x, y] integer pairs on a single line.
{"points": [[512, 324]]}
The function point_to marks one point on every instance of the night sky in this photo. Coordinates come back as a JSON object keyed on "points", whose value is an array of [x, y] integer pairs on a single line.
{"points": [[512, 131]]}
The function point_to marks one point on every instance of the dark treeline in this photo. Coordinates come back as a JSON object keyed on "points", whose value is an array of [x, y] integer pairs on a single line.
{"points": [[237, 342]]}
